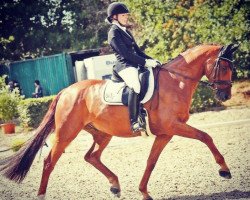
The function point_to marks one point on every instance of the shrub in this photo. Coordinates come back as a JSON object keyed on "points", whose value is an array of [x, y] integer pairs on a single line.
{"points": [[17, 144], [2, 82], [8, 102], [203, 99], [32, 111]]}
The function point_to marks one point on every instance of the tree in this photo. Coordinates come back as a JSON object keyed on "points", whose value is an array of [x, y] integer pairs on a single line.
{"points": [[166, 28], [42, 27]]}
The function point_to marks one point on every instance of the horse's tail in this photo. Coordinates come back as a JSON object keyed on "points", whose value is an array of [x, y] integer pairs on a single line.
{"points": [[17, 166]]}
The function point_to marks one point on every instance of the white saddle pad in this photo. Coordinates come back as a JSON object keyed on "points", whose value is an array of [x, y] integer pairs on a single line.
{"points": [[112, 92]]}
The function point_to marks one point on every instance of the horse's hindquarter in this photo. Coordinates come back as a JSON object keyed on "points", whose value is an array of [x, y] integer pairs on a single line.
{"points": [[71, 112]]}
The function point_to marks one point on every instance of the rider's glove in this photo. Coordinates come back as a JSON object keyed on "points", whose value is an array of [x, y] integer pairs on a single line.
{"points": [[151, 63]]}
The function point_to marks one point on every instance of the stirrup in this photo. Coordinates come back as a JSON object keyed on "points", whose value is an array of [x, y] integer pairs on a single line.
{"points": [[136, 127]]}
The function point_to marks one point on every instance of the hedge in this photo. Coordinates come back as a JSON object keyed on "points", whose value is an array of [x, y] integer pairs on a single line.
{"points": [[203, 99], [32, 111]]}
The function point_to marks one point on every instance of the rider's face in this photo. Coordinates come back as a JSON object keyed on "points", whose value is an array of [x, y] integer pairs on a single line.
{"points": [[123, 18]]}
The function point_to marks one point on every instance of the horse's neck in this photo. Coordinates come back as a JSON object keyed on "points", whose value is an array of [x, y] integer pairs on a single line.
{"points": [[190, 64], [183, 73]]}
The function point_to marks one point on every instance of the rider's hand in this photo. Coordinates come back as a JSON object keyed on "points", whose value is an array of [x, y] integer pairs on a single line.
{"points": [[151, 63]]}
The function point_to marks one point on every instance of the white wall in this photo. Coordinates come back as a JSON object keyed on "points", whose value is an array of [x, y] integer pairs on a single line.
{"points": [[100, 67], [80, 71]]}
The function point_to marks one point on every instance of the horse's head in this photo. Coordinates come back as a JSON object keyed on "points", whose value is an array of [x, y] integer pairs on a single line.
{"points": [[219, 72]]}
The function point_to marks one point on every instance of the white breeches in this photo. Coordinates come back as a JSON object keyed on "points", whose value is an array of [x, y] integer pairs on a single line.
{"points": [[130, 76]]}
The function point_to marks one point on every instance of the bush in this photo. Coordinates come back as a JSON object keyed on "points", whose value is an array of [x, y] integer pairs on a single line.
{"points": [[203, 99], [8, 102], [17, 144], [2, 82], [167, 28], [32, 111]]}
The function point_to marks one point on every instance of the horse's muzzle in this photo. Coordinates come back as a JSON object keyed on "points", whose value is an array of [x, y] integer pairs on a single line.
{"points": [[223, 95]]}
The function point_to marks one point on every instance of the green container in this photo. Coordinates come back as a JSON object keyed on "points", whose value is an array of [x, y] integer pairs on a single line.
{"points": [[54, 73]]}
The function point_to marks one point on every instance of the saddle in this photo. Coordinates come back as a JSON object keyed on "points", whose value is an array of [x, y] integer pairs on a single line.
{"points": [[115, 92]]}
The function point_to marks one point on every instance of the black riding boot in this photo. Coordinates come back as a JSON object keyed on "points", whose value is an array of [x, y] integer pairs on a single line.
{"points": [[133, 107]]}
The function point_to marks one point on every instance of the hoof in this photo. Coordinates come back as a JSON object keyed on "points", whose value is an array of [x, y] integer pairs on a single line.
{"points": [[148, 198], [41, 197], [225, 174], [115, 191]]}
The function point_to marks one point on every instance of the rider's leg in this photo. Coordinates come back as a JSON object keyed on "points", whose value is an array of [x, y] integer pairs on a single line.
{"points": [[130, 75], [131, 78], [133, 107]]}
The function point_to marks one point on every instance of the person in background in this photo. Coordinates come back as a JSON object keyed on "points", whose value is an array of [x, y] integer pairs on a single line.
{"points": [[11, 85], [17, 85], [38, 90], [129, 58]]}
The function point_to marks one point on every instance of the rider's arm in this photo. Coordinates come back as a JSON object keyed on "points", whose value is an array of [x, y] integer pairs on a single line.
{"points": [[137, 48], [140, 52], [118, 45]]}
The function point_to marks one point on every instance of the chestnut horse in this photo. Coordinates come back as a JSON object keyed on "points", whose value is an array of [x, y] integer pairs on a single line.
{"points": [[79, 107]]}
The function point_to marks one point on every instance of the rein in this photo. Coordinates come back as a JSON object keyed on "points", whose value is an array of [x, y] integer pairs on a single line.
{"points": [[213, 85], [206, 83], [174, 72]]}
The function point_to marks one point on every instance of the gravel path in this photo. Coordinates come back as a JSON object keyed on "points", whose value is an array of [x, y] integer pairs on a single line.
{"points": [[186, 169]]}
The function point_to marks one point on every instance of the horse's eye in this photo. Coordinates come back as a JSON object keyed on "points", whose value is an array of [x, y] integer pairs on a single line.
{"points": [[224, 69]]}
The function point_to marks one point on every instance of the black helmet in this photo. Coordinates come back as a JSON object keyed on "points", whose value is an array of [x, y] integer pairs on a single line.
{"points": [[116, 8]]}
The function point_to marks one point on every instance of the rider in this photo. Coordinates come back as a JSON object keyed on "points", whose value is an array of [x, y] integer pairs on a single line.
{"points": [[129, 57]]}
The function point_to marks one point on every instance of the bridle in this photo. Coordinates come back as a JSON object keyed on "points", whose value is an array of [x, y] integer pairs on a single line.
{"points": [[216, 77]]}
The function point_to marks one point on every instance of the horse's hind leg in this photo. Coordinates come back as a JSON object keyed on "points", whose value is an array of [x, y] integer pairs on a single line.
{"points": [[93, 156], [49, 164], [63, 137]]}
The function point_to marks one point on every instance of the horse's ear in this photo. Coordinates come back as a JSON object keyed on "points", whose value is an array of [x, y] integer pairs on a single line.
{"points": [[228, 50]]}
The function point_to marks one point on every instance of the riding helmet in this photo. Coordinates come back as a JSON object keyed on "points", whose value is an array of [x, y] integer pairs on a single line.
{"points": [[116, 8]]}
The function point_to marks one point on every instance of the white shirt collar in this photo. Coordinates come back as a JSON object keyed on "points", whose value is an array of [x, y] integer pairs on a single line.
{"points": [[121, 27]]}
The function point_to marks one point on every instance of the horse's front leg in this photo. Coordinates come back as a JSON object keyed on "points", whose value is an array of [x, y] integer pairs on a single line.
{"points": [[159, 144], [185, 130]]}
